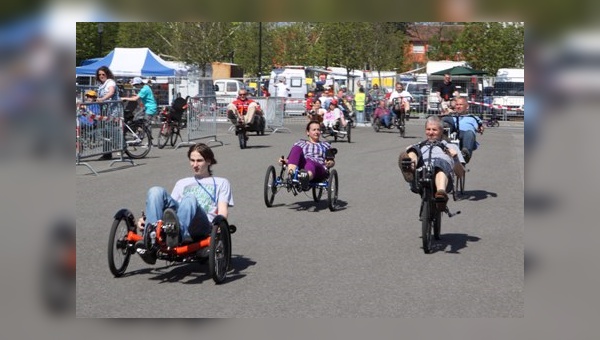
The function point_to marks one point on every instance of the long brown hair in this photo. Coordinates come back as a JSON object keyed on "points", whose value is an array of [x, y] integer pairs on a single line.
{"points": [[206, 152]]}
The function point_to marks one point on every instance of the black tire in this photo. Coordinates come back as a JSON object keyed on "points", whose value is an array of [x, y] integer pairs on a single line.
{"points": [[141, 148], [174, 135], [426, 225], [376, 126], [402, 131], [163, 135], [495, 123], [402, 125], [455, 182], [437, 225], [118, 247], [461, 183], [270, 186], [317, 193], [242, 139], [332, 190], [349, 133], [219, 252]]}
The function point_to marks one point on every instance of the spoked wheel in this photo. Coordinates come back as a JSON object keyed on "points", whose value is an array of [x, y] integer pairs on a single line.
{"points": [[270, 186], [461, 183], [118, 246], [174, 135], [317, 192], [219, 252], [495, 123], [164, 135], [402, 126], [138, 145], [426, 226], [376, 125], [437, 224], [332, 190], [241, 133]]}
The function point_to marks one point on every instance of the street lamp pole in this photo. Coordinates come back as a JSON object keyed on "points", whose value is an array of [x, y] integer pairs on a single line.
{"points": [[100, 31], [259, 51]]}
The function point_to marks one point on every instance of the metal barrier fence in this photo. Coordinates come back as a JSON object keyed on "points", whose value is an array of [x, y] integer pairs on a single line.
{"points": [[202, 115], [98, 131]]}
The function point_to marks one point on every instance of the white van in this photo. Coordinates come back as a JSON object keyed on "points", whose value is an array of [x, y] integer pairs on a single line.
{"points": [[226, 90], [295, 80]]}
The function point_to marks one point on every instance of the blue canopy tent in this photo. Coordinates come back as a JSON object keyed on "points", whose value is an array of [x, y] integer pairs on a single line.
{"points": [[130, 62]]}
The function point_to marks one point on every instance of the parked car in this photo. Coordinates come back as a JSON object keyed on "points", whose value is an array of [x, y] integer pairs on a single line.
{"points": [[418, 90]]}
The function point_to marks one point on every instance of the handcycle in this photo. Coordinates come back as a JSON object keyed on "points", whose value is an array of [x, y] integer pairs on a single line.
{"points": [[274, 183], [171, 118], [257, 125], [399, 117], [429, 214], [164, 239], [337, 131], [492, 121]]}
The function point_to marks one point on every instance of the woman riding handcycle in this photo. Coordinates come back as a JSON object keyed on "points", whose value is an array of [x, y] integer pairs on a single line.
{"points": [[188, 225], [307, 167], [428, 167]]}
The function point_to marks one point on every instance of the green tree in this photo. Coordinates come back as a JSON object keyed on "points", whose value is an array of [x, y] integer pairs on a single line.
{"points": [[490, 46]]}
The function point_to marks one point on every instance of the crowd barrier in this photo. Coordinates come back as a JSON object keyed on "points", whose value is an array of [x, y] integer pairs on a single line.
{"points": [[202, 113], [99, 130]]}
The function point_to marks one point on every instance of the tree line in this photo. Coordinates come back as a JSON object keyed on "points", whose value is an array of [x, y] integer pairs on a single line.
{"points": [[354, 45]]}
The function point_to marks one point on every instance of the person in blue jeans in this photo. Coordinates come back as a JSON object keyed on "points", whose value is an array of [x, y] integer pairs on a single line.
{"points": [[467, 125], [192, 205]]}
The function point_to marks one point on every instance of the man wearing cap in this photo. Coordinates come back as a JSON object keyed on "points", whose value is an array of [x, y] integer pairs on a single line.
{"points": [[145, 95]]}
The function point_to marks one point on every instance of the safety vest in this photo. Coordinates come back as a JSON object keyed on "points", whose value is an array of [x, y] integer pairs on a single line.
{"points": [[359, 98]]}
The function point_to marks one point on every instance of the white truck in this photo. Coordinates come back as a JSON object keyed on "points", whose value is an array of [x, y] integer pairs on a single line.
{"points": [[509, 90]]}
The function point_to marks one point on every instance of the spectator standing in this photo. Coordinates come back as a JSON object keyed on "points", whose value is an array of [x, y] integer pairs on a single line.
{"points": [[281, 89], [446, 91], [359, 103], [107, 91]]}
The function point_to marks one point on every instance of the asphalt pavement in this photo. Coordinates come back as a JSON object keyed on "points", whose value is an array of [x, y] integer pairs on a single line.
{"points": [[297, 259]]}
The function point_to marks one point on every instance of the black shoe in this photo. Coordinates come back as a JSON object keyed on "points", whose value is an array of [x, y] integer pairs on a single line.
{"points": [[149, 256], [171, 227], [303, 179], [466, 155]]}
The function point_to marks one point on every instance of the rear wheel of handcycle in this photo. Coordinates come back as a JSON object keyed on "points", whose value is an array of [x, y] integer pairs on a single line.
{"points": [[495, 123], [317, 192], [163, 135], [270, 186], [219, 251], [426, 226], [332, 190], [138, 145], [118, 247]]}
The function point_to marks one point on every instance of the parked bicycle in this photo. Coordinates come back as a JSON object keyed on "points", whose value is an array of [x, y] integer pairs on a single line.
{"points": [[172, 122]]}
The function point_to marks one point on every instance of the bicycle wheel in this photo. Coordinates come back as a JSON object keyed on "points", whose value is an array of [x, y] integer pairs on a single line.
{"points": [[495, 123], [242, 138], [349, 133], [375, 125], [317, 192], [118, 250], [437, 225], [332, 190], [426, 224], [138, 141], [270, 186], [164, 135], [219, 252], [461, 183], [174, 135]]}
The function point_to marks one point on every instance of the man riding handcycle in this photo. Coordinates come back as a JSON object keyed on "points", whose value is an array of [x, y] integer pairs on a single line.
{"points": [[247, 116], [188, 225]]}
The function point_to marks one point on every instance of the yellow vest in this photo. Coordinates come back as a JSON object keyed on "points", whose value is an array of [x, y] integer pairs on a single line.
{"points": [[359, 98]]}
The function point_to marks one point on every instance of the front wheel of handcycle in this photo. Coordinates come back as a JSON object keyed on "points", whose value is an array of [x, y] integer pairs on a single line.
{"points": [[242, 139], [317, 192], [376, 125], [138, 141], [437, 224], [219, 251], [270, 186], [349, 133], [119, 250], [426, 225], [164, 135], [461, 183], [332, 190]]}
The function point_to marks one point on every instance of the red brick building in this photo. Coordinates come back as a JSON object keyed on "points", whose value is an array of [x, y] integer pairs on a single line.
{"points": [[427, 41]]}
